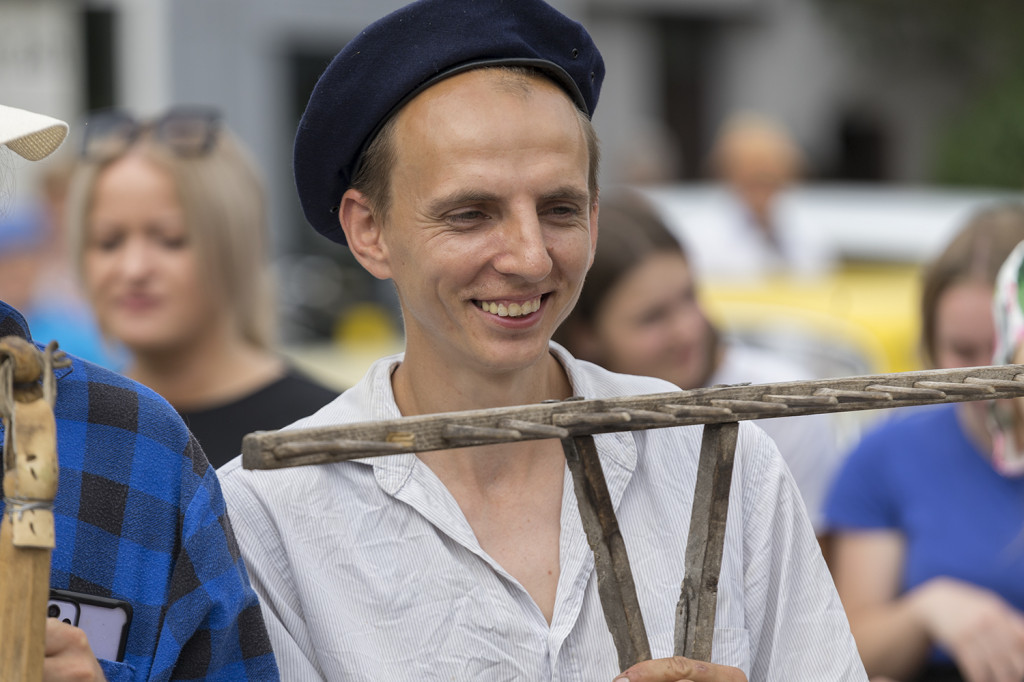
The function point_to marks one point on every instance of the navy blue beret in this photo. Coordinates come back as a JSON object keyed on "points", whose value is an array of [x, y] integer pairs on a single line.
{"points": [[399, 56]]}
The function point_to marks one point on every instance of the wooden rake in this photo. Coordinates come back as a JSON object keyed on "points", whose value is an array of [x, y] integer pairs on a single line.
{"points": [[576, 421]]}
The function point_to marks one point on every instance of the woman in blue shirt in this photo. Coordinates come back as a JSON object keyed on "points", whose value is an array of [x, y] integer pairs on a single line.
{"points": [[929, 532]]}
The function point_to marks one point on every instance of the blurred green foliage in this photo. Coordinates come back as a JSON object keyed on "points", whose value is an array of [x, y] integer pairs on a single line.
{"points": [[977, 48], [983, 144]]}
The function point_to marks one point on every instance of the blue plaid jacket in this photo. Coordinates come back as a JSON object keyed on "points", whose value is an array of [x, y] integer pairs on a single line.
{"points": [[140, 517]]}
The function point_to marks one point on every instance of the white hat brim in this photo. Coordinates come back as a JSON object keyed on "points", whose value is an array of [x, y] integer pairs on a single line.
{"points": [[30, 135]]}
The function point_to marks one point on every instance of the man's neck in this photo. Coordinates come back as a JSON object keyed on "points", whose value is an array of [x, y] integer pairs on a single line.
{"points": [[421, 388], [425, 387]]}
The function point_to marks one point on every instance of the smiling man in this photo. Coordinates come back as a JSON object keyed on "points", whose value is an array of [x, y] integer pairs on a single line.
{"points": [[450, 147]]}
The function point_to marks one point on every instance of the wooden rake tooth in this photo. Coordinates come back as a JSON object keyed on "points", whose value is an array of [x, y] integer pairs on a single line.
{"points": [[801, 400], [534, 428], [998, 384], [313, 447], [695, 411], [910, 392], [595, 419], [649, 416], [464, 433], [845, 396], [749, 406], [957, 388]]}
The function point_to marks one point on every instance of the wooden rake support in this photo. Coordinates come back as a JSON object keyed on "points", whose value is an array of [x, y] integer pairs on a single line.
{"points": [[576, 421]]}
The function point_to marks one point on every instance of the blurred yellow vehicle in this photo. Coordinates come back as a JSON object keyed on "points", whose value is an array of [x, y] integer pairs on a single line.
{"points": [[862, 315], [860, 319]]}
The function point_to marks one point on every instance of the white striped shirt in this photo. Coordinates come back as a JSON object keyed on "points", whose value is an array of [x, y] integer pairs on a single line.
{"points": [[369, 570]]}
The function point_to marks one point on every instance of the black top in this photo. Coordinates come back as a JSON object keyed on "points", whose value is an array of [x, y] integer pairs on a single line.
{"points": [[220, 429]]}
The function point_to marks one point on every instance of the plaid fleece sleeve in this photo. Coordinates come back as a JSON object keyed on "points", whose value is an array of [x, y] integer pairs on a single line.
{"points": [[212, 625], [139, 516]]}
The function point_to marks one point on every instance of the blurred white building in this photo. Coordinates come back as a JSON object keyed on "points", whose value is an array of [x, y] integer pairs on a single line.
{"points": [[676, 69]]}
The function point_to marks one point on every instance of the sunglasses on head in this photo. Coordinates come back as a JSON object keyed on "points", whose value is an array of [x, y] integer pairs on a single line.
{"points": [[185, 131]]}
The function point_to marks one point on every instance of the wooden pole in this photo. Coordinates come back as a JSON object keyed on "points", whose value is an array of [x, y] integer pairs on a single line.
{"points": [[615, 583], [27, 530], [695, 613], [25, 572]]}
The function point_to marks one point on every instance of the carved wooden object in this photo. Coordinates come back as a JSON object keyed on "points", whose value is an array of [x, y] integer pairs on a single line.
{"points": [[27, 390]]}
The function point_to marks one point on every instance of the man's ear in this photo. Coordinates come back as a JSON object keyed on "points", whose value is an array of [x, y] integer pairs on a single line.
{"points": [[363, 231]]}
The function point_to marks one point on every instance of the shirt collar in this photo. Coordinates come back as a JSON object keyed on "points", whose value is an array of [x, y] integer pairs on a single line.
{"points": [[581, 377], [12, 323], [618, 457]]}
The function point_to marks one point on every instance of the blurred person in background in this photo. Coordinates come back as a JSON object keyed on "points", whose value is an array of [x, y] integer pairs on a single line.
{"points": [[169, 232], [752, 230], [639, 313], [928, 525], [35, 269], [138, 515]]}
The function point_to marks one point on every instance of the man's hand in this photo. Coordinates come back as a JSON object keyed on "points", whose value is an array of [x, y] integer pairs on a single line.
{"points": [[983, 634], [679, 669], [68, 655]]}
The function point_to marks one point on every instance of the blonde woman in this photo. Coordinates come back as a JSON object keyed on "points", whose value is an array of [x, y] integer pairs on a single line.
{"points": [[169, 232], [139, 518]]}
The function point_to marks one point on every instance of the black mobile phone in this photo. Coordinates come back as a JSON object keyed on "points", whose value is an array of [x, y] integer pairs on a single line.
{"points": [[104, 620]]}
